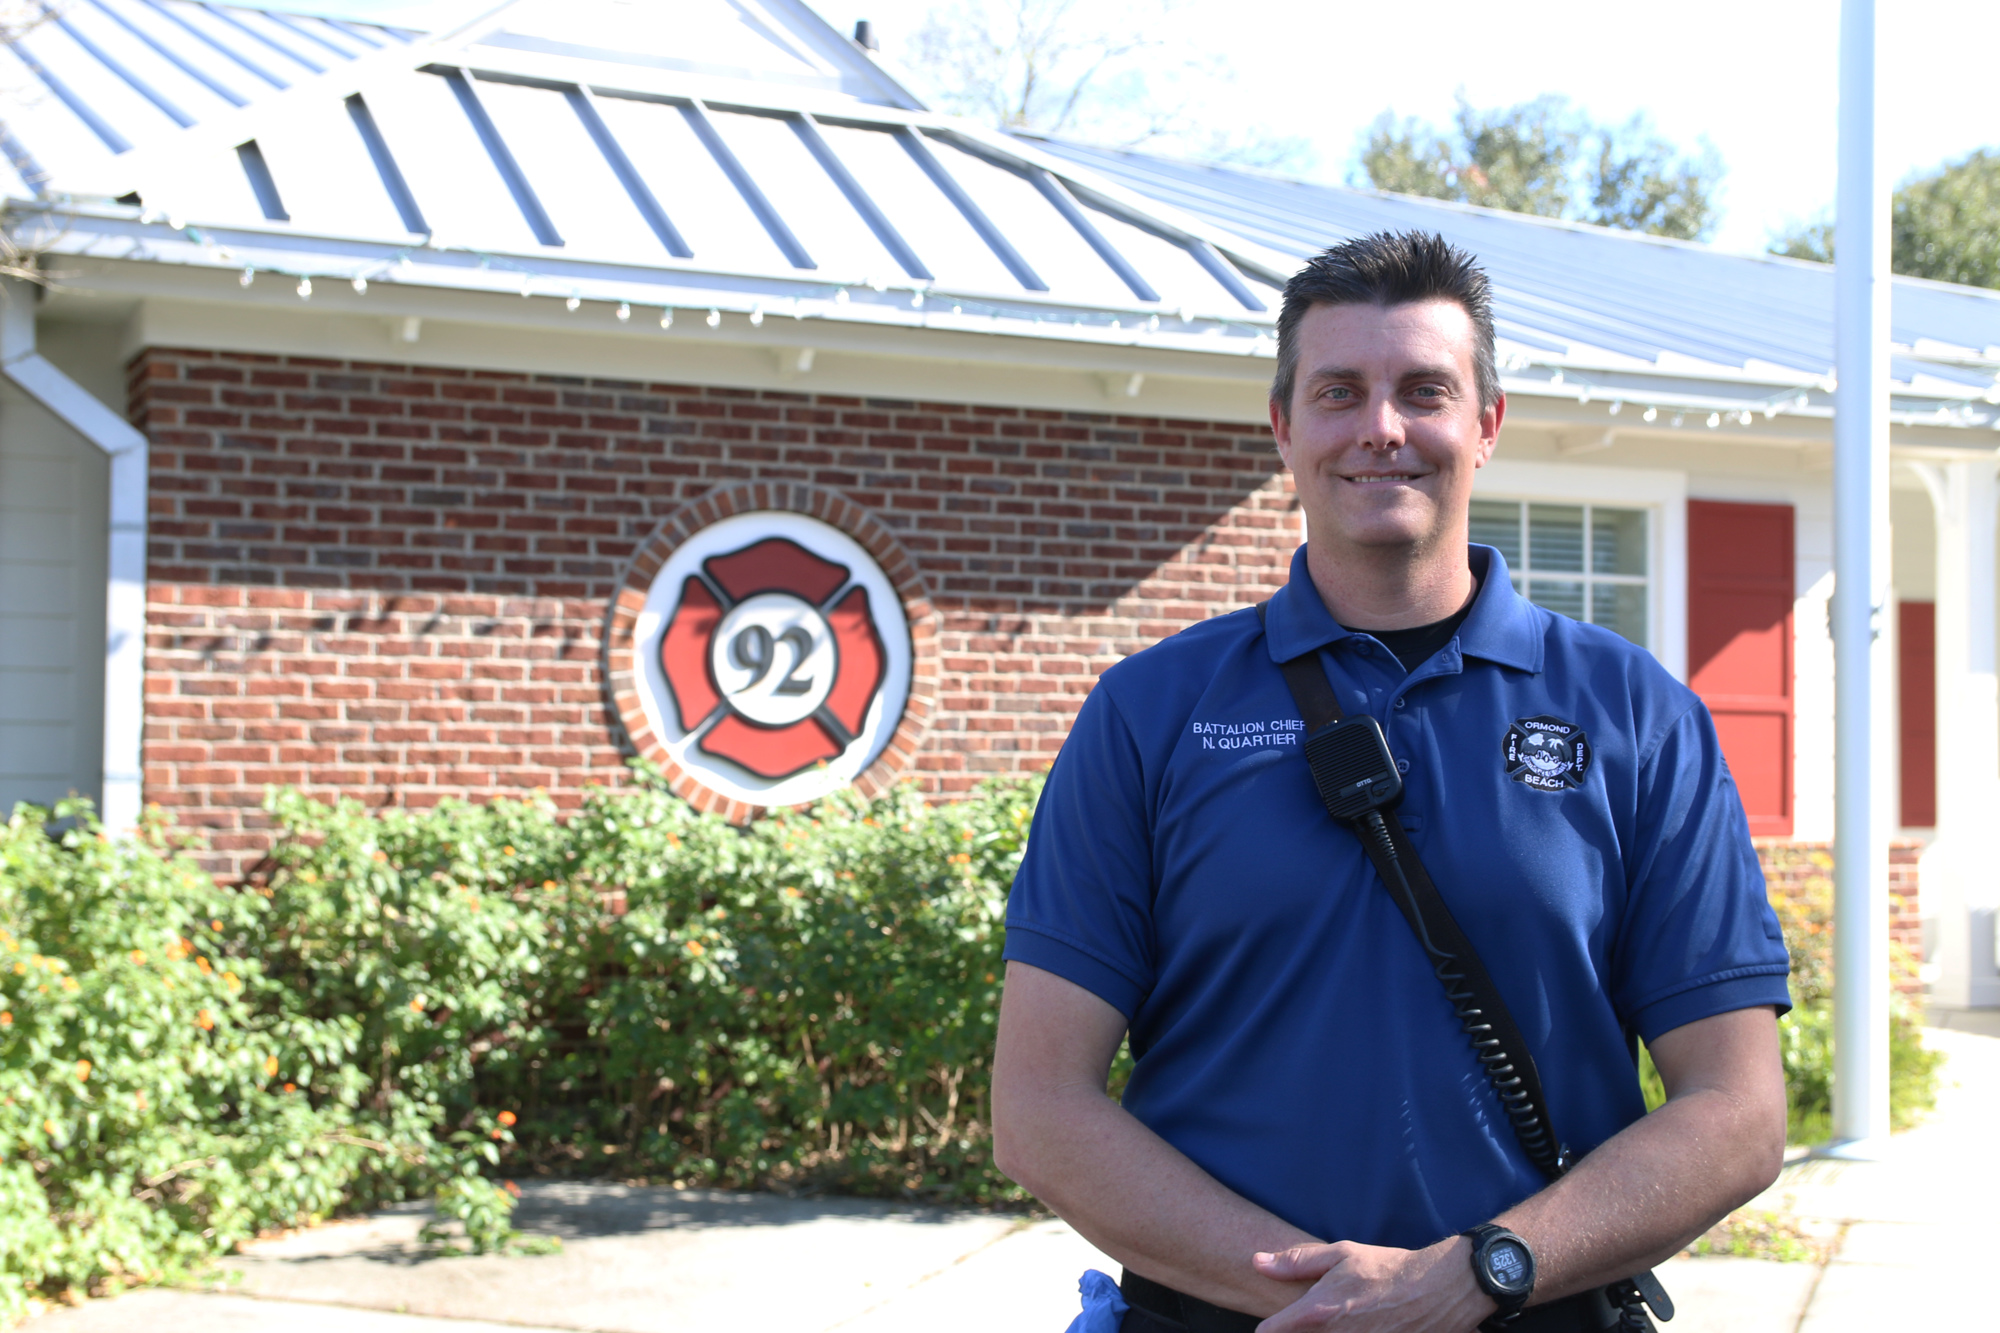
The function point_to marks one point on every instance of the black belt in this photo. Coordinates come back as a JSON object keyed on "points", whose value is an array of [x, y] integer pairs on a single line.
{"points": [[1157, 1308]]}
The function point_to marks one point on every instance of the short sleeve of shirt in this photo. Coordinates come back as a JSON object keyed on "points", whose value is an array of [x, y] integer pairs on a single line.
{"points": [[1081, 906], [1699, 936]]}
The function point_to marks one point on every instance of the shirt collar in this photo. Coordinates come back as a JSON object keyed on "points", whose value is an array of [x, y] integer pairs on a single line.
{"points": [[1502, 627]]}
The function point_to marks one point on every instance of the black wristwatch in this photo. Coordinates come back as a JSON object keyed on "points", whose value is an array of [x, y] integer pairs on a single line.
{"points": [[1504, 1267]]}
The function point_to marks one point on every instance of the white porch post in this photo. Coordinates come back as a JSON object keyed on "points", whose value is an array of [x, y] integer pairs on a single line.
{"points": [[1961, 877], [1863, 739]]}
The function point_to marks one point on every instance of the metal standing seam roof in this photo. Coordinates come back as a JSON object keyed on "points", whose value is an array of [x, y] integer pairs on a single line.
{"points": [[734, 154], [739, 155], [1607, 312]]}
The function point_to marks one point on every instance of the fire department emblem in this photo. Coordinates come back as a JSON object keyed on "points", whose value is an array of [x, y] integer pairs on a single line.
{"points": [[1547, 753], [774, 657]]}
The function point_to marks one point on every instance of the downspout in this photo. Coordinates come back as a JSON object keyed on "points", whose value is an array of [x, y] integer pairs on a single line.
{"points": [[125, 589]]}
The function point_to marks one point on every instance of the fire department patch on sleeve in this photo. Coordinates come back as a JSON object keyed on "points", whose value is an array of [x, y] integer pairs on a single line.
{"points": [[1547, 753]]}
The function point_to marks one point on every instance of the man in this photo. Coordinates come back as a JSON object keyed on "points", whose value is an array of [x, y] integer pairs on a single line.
{"points": [[1306, 1132]]}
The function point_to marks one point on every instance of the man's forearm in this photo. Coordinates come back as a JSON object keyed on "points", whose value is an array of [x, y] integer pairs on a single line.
{"points": [[1142, 1202], [1128, 1191], [1663, 1180], [1631, 1203]]}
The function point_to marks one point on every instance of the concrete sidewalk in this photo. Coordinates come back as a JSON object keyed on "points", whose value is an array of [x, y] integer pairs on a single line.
{"points": [[1911, 1231]]}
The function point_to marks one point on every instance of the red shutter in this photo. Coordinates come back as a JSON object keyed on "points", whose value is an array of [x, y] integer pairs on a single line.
{"points": [[1740, 588], [1916, 663]]}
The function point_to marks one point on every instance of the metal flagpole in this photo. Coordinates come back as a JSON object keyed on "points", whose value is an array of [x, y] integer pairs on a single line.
{"points": [[1862, 708]]}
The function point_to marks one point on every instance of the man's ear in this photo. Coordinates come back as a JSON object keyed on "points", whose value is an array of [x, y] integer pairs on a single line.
{"points": [[1489, 430], [1281, 431]]}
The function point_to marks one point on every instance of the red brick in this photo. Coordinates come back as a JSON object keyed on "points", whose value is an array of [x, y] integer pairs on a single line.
{"points": [[439, 604]]}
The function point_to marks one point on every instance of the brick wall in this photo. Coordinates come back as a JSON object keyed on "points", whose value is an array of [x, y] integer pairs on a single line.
{"points": [[1804, 870], [390, 581]]}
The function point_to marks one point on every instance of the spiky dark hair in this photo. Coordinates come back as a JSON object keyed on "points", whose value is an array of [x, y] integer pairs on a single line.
{"points": [[1385, 269]]}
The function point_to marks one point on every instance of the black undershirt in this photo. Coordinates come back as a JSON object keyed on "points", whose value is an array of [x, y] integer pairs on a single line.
{"points": [[1413, 647]]}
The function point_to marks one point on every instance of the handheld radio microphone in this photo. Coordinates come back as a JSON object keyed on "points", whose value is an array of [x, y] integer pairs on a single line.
{"points": [[1352, 767]]}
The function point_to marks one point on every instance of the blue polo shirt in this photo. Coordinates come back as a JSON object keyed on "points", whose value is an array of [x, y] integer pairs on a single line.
{"points": [[1568, 796]]}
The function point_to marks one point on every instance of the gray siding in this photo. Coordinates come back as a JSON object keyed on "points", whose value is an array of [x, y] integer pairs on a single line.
{"points": [[52, 558]]}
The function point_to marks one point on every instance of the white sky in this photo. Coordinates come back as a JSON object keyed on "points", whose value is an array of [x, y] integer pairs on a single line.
{"points": [[1756, 77]]}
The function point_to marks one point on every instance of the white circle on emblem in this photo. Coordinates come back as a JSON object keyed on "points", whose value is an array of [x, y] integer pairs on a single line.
{"points": [[1546, 755], [773, 658], [830, 700]]}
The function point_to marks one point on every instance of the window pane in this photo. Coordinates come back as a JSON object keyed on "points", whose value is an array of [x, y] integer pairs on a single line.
{"points": [[1620, 607], [1497, 523], [1555, 538], [1617, 541], [1557, 595]]}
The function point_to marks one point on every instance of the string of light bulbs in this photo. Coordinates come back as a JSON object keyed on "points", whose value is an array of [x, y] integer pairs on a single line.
{"points": [[534, 282]]}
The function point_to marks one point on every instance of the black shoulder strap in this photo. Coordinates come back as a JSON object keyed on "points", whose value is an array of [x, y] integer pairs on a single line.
{"points": [[1496, 1040], [1481, 1010]]}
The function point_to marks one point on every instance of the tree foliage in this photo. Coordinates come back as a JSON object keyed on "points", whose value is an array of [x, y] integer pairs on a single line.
{"points": [[1809, 240], [1546, 158], [1944, 225]]}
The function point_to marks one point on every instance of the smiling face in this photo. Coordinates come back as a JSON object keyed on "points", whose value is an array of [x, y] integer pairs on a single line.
{"points": [[1385, 429]]}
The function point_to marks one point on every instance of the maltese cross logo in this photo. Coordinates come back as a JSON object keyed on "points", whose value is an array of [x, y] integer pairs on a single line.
{"points": [[778, 646], [1546, 753]]}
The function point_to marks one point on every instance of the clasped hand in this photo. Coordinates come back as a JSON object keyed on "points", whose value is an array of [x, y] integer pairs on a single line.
{"points": [[1377, 1289]]}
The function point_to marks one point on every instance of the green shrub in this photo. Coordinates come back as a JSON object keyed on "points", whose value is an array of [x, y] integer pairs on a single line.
{"points": [[1806, 1032], [807, 1001], [153, 1077], [432, 1002], [418, 1002]]}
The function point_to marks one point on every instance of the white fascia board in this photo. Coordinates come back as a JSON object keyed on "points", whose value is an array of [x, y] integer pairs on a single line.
{"points": [[1914, 436], [926, 332], [125, 593]]}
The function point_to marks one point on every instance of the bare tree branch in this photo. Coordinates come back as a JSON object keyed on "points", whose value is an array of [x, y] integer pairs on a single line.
{"points": [[1104, 70]]}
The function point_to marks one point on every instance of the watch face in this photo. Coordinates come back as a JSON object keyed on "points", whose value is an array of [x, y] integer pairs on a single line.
{"points": [[1508, 1264]]}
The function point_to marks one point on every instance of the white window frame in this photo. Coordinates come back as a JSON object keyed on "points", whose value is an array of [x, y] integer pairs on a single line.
{"points": [[1661, 493]]}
